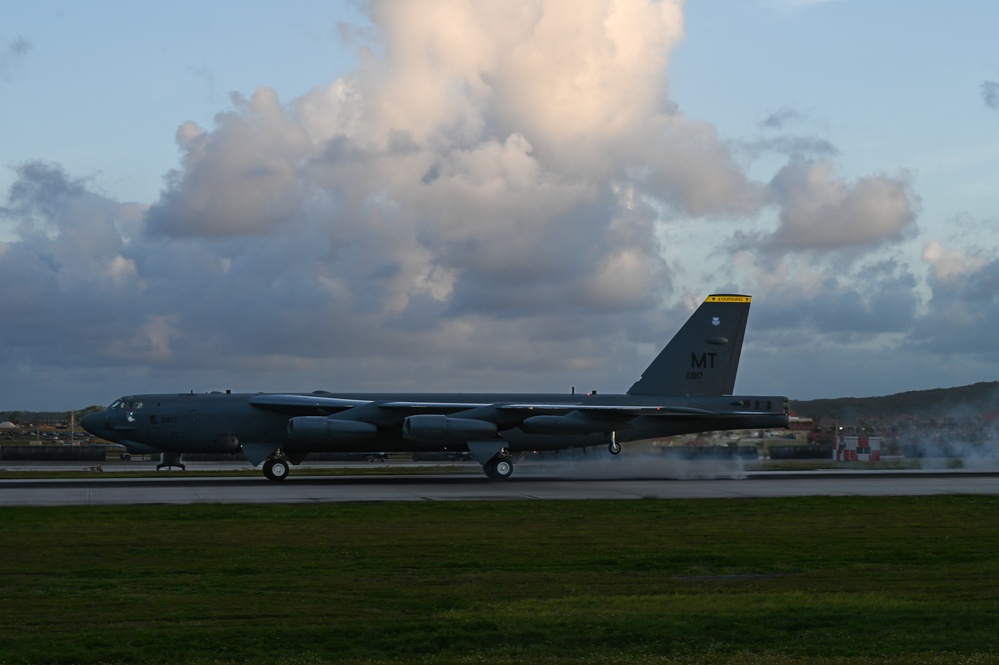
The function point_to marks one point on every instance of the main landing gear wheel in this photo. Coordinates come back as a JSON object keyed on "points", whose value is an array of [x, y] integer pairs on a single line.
{"points": [[614, 448], [276, 469], [498, 468]]}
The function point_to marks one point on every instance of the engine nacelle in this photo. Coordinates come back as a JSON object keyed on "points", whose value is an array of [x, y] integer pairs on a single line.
{"points": [[317, 429], [567, 425], [434, 427]]}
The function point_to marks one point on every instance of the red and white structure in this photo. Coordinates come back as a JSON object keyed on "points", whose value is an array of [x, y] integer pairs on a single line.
{"points": [[858, 449]]}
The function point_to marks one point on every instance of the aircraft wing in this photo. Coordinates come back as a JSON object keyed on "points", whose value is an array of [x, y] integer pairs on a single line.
{"points": [[625, 410], [441, 406], [527, 410], [291, 403], [543, 406], [299, 403]]}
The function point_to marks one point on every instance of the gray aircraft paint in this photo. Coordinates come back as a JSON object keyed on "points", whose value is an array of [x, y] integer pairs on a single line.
{"points": [[686, 389]]}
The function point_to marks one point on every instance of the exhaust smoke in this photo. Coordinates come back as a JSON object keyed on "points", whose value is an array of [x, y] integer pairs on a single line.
{"points": [[631, 463]]}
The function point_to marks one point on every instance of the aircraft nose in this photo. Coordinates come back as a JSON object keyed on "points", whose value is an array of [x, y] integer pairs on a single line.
{"points": [[92, 423]]}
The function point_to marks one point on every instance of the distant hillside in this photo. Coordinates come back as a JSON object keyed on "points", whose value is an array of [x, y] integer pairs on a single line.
{"points": [[959, 402], [25, 417]]}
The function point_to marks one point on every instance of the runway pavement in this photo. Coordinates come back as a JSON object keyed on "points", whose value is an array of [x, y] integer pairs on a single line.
{"points": [[472, 486]]}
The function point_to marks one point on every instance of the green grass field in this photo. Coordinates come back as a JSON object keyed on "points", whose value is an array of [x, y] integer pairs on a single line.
{"points": [[804, 580]]}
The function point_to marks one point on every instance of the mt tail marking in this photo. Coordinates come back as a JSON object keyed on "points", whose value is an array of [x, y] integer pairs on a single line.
{"points": [[703, 357]]}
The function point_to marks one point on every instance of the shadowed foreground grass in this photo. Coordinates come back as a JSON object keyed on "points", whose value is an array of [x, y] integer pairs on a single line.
{"points": [[825, 580]]}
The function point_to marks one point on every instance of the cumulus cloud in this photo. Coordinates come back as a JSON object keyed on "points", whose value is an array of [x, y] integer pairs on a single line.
{"points": [[963, 312], [476, 200], [820, 211], [947, 263], [479, 168], [866, 327], [805, 304], [482, 199], [69, 268]]}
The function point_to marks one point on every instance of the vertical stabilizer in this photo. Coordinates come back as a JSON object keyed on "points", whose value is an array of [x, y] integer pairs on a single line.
{"points": [[703, 357]]}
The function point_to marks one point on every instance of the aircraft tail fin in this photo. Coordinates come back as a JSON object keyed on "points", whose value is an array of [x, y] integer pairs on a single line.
{"points": [[703, 357]]}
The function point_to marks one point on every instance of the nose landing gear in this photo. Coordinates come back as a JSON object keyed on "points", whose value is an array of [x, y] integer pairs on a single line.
{"points": [[170, 459]]}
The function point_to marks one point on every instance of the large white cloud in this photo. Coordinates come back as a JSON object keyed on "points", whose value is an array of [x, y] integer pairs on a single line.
{"points": [[478, 197], [481, 200], [820, 211], [488, 164]]}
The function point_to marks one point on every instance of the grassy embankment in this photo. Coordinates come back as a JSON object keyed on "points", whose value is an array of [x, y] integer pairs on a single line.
{"points": [[827, 580]]}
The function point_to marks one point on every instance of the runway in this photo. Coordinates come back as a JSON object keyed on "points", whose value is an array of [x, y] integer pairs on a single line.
{"points": [[472, 486]]}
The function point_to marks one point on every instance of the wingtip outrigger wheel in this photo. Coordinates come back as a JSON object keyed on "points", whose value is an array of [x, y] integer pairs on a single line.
{"points": [[614, 448]]}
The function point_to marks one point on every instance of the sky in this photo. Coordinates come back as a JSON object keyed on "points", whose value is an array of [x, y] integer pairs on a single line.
{"points": [[475, 196]]}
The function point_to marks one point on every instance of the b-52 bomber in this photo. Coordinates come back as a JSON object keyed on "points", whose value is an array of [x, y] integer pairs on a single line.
{"points": [[687, 389]]}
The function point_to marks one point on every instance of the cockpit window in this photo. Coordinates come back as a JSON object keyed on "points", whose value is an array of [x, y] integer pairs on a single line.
{"points": [[126, 404]]}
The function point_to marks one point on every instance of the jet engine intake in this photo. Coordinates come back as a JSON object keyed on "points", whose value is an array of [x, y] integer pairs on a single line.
{"points": [[317, 429], [435, 427]]}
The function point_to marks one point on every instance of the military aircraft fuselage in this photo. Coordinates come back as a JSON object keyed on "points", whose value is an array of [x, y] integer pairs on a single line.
{"points": [[687, 388], [221, 422]]}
